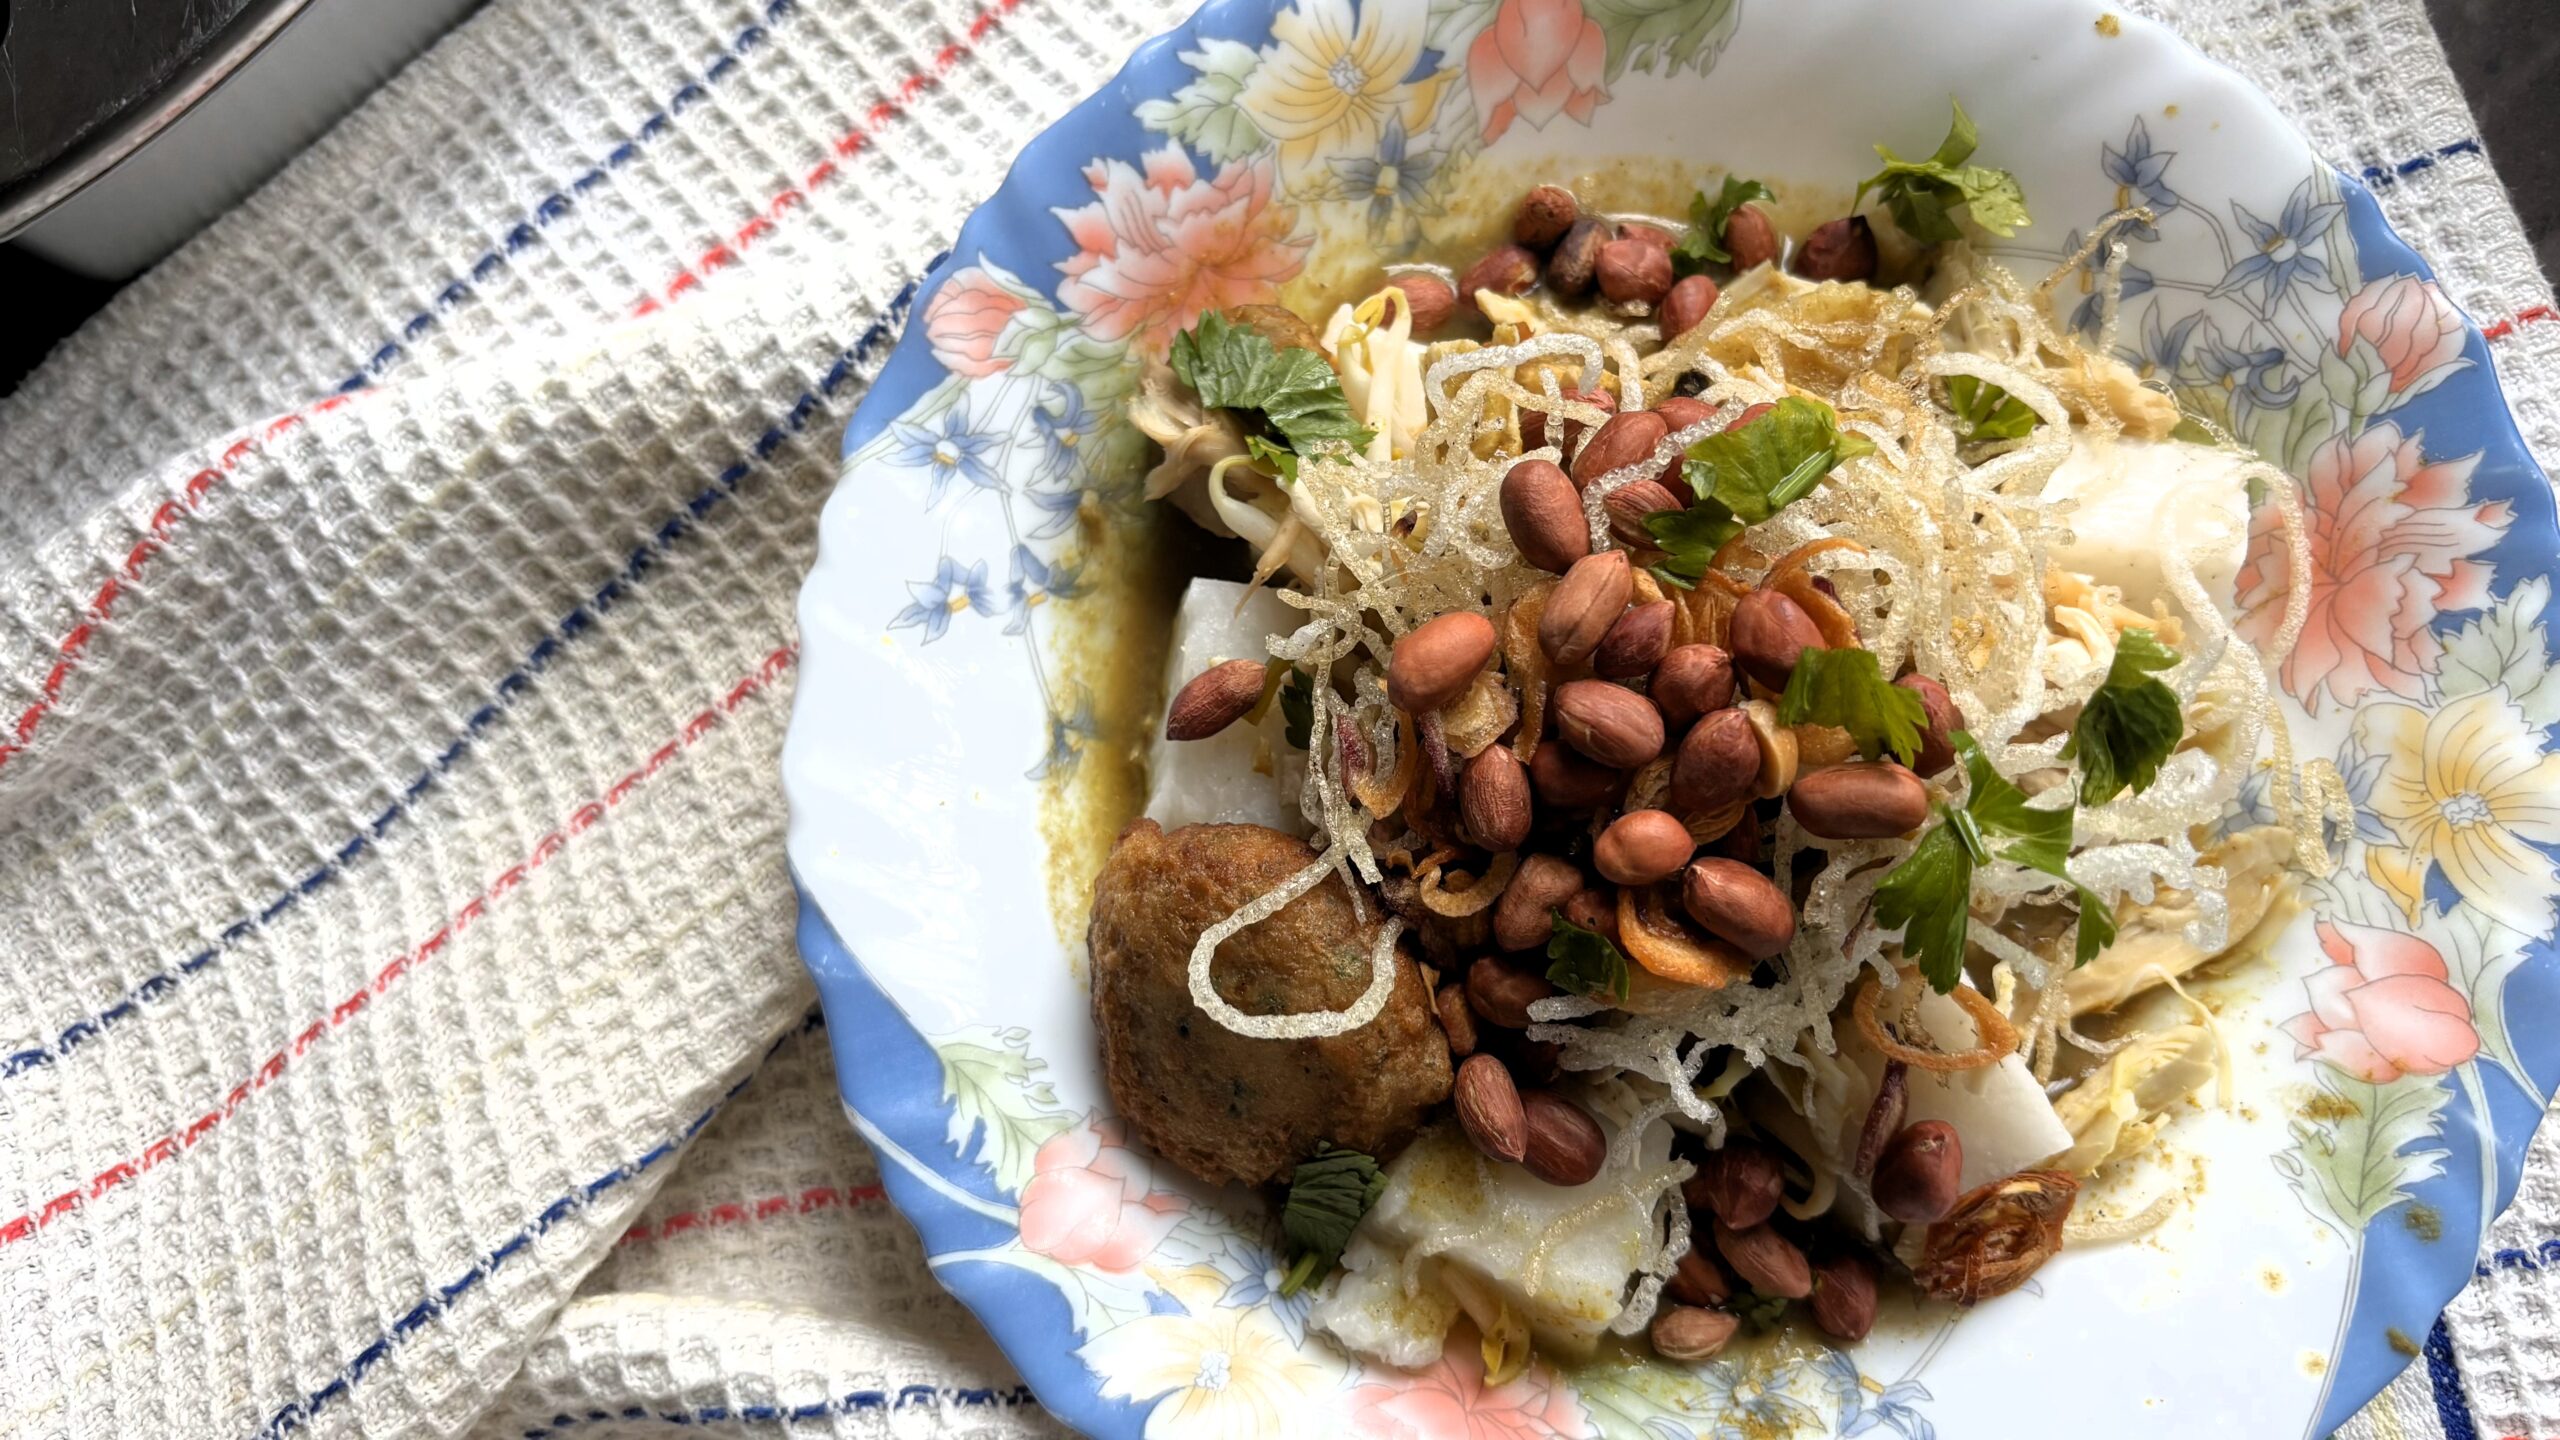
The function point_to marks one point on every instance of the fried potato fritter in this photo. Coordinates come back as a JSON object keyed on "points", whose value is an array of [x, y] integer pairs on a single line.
{"points": [[1226, 1106]]}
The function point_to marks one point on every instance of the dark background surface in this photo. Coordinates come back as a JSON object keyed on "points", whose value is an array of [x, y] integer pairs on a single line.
{"points": [[2501, 54]]}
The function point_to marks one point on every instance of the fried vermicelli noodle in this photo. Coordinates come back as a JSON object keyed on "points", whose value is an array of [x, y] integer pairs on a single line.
{"points": [[1936, 558]]}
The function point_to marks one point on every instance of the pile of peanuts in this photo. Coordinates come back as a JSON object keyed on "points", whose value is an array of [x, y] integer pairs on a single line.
{"points": [[1623, 697]]}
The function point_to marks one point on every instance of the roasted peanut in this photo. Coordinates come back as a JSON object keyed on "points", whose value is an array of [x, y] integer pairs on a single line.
{"points": [[1594, 909], [1844, 1296], [1544, 215], [1636, 642], [1627, 438], [1508, 270], [1863, 800], [1691, 1335], [1493, 799], [1634, 271], [1916, 1177], [1533, 423], [1502, 995], [1699, 1280], [1766, 634], [1434, 662], [1739, 1183], [1739, 905], [1679, 412], [1427, 298], [1642, 847], [1566, 1146], [1567, 780], [1842, 249], [1213, 700], [1524, 917], [1543, 512], [1610, 723], [1945, 719], [1488, 1106], [1750, 238], [1629, 504], [1685, 306], [1717, 764], [1583, 605], [1576, 261], [1691, 681], [1765, 1260]]}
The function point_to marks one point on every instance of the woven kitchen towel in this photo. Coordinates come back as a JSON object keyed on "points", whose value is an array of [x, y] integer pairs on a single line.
{"points": [[400, 1032]]}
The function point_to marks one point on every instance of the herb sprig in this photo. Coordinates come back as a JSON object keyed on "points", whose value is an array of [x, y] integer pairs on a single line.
{"points": [[1847, 689], [1984, 411], [1585, 961], [2129, 727], [1929, 896], [1920, 193], [1328, 1194], [1745, 475], [1234, 368]]}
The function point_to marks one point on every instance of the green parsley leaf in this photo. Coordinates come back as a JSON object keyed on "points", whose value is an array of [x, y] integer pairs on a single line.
{"points": [[2042, 837], [1930, 897], [1704, 241], [1297, 708], [1586, 963], [1986, 412], [1920, 193], [1235, 369], [1285, 462], [1745, 475], [1930, 894], [1328, 1195], [2130, 725], [1847, 688]]}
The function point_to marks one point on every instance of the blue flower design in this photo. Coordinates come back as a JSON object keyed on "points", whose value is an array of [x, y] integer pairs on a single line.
{"points": [[2255, 372], [2164, 352], [950, 591], [2093, 278], [2362, 768], [1057, 509], [1893, 1411], [2140, 170], [1068, 733], [1063, 431], [1397, 178], [1255, 1280], [953, 451], [2284, 255], [1033, 581]]}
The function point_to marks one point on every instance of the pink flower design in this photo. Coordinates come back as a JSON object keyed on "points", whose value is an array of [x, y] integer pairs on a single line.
{"points": [[966, 318], [1090, 1202], [2410, 324], [1537, 60], [1154, 250], [1450, 1401], [2392, 538], [2383, 1009]]}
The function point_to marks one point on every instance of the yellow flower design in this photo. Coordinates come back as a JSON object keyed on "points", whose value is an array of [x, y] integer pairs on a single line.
{"points": [[1224, 1373], [1328, 81], [2467, 788]]}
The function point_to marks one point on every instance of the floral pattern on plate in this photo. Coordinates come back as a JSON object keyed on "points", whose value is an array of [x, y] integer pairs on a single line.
{"points": [[1263, 134]]}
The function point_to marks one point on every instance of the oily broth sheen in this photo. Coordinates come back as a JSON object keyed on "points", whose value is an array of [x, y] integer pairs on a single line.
{"points": [[1110, 644]]}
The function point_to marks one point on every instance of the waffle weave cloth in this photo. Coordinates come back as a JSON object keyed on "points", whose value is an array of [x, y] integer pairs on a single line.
{"points": [[396, 598]]}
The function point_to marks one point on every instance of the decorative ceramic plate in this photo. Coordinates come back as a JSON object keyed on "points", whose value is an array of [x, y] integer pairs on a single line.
{"points": [[983, 641]]}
